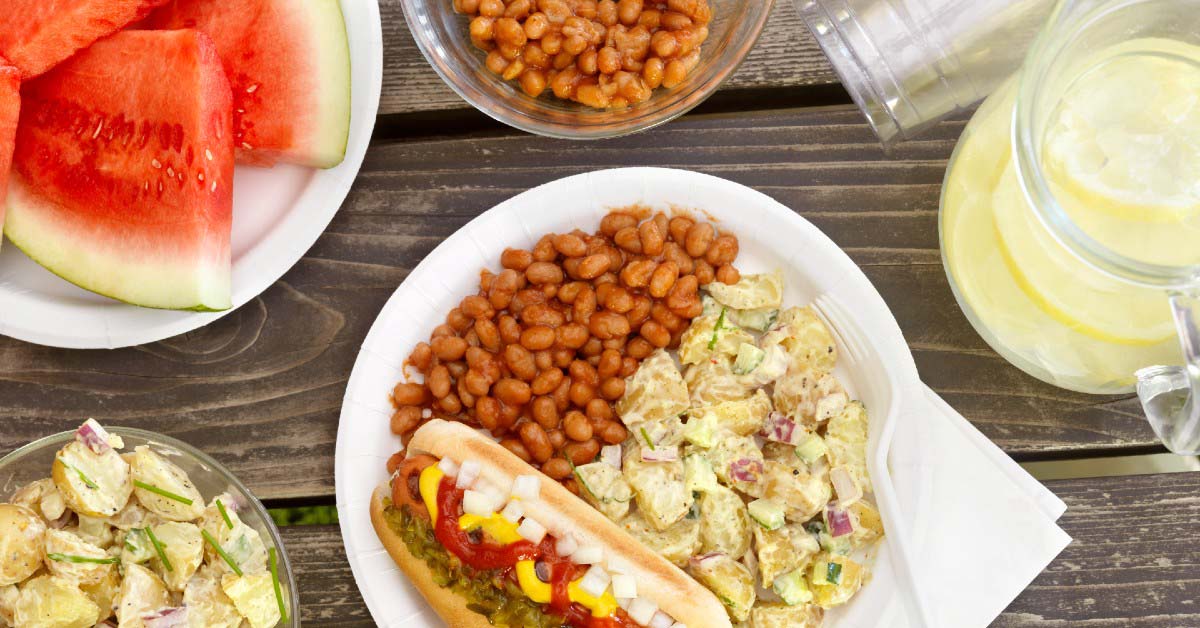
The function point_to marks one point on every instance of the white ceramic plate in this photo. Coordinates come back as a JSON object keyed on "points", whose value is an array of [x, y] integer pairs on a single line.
{"points": [[876, 365], [278, 213]]}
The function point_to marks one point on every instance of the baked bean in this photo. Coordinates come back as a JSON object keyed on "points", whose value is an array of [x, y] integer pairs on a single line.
{"points": [[652, 72], [533, 81], [517, 448], [613, 433], [409, 394], [488, 334], [472, 338], [572, 335], [510, 329], [629, 239], [533, 436], [582, 453], [456, 369], [638, 348], [663, 279], [543, 359], [570, 245], [674, 252], [628, 11], [486, 277], [581, 393], [663, 314], [598, 410], [549, 291], [616, 259], [569, 291], [674, 73], [544, 412], [684, 291], [605, 325], [476, 383], [518, 9], [609, 363], [704, 272], [511, 391], [612, 388], [562, 394], [615, 344], [592, 348], [557, 438], [537, 337], [562, 357], [476, 357], [487, 412], [544, 251], [516, 259], [655, 334], [576, 426], [543, 273], [629, 366], [581, 371], [542, 314], [520, 363], [450, 404], [679, 227], [593, 266], [406, 418], [482, 28], [652, 238], [457, 320], [640, 311], [571, 266], [699, 238], [584, 306], [637, 273], [723, 251], [421, 357], [546, 381], [727, 274], [465, 395], [616, 221], [587, 62], [557, 468], [449, 348], [691, 309], [618, 299]]}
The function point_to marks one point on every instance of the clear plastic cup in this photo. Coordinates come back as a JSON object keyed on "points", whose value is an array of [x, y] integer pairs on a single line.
{"points": [[909, 63]]}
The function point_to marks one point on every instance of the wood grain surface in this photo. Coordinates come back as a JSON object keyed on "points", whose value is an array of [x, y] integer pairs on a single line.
{"points": [[261, 389], [785, 56], [1133, 562]]}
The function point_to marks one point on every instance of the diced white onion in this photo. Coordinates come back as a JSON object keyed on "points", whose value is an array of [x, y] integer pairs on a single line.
{"points": [[590, 555], [595, 581], [426, 413], [611, 454], [661, 620], [467, 473], [642, 610], [566, 545], [616, 564], [624, 585], [449, 467], [513, 511], [526, 487], [847, 489], [531, 530], [478, 504]]}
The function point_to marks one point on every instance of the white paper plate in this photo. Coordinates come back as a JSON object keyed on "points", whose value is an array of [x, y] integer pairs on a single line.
{"points": [[881, 373], [278, 213]]}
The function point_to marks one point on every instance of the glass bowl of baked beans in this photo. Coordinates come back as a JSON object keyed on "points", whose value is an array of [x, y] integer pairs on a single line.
{"points": [[585, 69], [539, 354]]}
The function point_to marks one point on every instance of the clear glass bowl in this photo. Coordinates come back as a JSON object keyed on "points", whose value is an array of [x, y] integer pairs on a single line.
{"points": [[442, 36], [33, 461]]}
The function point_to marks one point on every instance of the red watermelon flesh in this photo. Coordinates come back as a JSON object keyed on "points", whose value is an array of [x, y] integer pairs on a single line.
{"points": [[123, 171], [36, 35], [10, 108], [288, 63]]}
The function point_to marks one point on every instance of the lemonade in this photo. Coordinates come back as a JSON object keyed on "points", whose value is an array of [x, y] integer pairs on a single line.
{"points": [[1120, 154]]}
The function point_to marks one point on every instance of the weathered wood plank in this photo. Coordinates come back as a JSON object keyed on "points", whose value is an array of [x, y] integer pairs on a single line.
{"points": [[1133, 562], [261, 389], [786, 56]]}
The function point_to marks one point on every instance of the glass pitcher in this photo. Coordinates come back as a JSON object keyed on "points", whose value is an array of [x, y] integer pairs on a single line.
{"points": [[1070, 215]]}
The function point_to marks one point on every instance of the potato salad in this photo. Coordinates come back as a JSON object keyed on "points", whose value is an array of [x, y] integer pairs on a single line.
{"points": [[746, 461], [125, 540]]}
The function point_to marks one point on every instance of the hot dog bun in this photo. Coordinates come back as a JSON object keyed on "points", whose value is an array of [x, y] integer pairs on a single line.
{"points": [[676, 594]]}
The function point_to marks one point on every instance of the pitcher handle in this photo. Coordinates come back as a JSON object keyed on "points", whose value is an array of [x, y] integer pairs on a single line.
{"points": [[1170, 395]]}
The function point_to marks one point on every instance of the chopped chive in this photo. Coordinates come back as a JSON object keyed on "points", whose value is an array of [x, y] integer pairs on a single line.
{"points": [[158, 548], [221, 552], [224, 515], [70, 558], [275, 581], [833, 573], [646, 435], [712, 344], [158, 491], [83, 478]]}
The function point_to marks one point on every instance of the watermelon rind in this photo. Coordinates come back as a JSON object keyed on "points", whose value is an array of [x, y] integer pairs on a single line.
{"points": [[114, 271], [333, 54]]}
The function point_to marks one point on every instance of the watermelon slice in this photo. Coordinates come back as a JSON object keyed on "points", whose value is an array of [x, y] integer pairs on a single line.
{"points": [[38, 34], [10, 108], [123, 171], [288, 63]]}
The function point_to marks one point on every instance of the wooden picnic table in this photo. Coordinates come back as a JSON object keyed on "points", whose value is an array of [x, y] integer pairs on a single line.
{"points": [[261, 389]]}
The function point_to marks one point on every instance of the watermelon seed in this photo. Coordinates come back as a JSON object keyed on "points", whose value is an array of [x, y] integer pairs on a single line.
{"points": [[200, 176], [214, 186], [96, 133], [247, 146], [208, 154], [156, 164], [252, 88], [170, 171]]}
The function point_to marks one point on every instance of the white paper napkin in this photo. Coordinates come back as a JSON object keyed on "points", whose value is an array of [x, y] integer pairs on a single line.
{"points": [[982, 528]]}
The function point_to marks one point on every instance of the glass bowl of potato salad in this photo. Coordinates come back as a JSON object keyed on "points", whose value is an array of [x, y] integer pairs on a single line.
{"points": [[127, 528], [746, 461]]}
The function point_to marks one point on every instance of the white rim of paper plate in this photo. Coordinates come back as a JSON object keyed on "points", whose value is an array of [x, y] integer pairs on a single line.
{"points": [[767, 231], [263, 263]]}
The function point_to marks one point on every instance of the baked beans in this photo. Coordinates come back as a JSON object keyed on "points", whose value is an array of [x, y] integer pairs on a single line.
{"points": [[540, 354], [606, 54]]}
